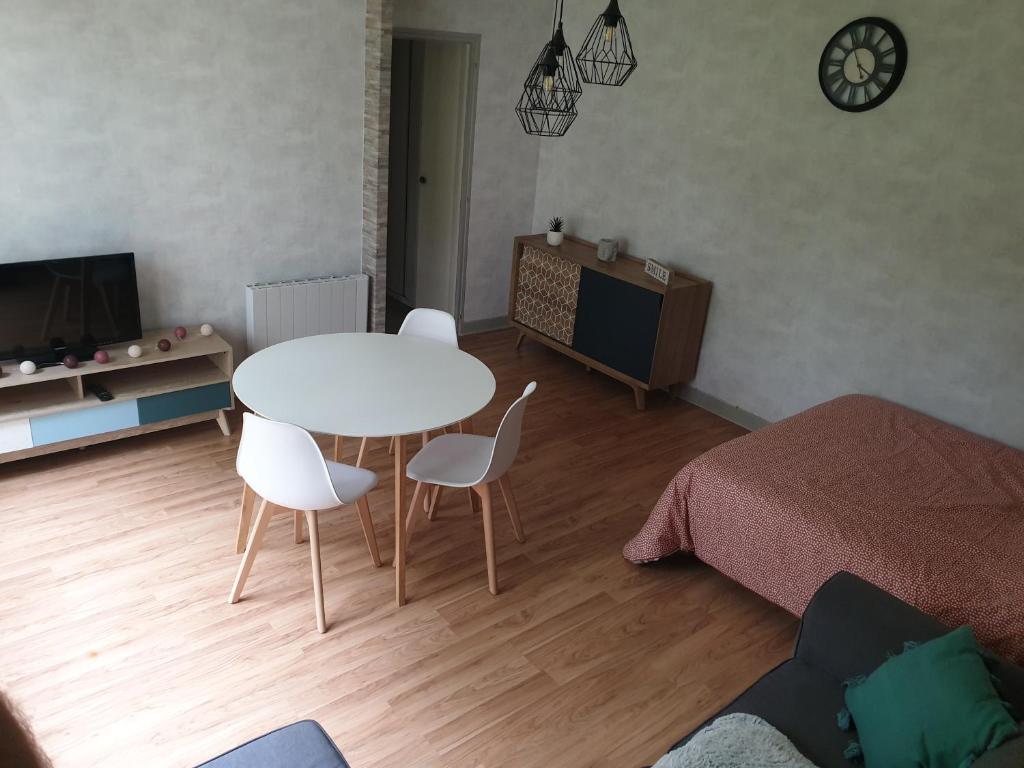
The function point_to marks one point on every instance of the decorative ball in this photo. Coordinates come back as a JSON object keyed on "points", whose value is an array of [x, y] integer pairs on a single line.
{"points": [[163, 345], [101, 356], [70, 361], [181, 331], [134, 351], [206, 329], [27, 367]]}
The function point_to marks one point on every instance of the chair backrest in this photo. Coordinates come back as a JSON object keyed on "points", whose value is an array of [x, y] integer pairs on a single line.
{"points": [[506, 442], [430, 324], [283, 464]]}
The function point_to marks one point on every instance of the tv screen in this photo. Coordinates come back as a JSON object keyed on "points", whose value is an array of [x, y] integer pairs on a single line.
{"points": [[67, 303]]}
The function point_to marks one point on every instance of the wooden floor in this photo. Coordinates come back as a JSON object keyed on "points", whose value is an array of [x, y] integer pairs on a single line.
{"points": [[117, 639]]}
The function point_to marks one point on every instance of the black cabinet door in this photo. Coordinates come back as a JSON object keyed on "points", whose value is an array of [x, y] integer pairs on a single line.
{"points": [[617, 323]]}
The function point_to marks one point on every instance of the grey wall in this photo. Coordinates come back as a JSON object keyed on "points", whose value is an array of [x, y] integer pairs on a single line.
{"points": [[504, 178], [877, 253], [221, 141]]}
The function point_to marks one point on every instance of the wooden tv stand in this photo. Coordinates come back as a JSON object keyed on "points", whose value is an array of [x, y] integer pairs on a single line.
{"points": [[52, 409]]}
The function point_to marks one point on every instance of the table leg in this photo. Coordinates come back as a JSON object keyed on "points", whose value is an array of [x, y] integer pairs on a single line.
{"points": [[400, 537]]}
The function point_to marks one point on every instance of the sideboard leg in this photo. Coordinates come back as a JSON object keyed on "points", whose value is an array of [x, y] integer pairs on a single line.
{"points": [[222, 422], [519, 339], [640, 396]]}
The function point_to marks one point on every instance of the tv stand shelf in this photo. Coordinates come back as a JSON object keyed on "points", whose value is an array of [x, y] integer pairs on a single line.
{"points": [[52, 409]]}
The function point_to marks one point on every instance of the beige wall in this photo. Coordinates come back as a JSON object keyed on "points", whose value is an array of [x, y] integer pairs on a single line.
{"points": [[221, 141], [880, 252]]}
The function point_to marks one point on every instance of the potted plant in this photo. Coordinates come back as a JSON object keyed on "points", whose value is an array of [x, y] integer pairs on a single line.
{"points": [[555, 233]]}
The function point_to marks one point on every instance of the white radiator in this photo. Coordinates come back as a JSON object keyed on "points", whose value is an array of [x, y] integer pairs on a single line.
{"points": [[276, 312]]}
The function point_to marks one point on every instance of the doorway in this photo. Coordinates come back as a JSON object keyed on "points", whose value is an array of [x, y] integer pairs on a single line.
{"points": [[433, 104]]}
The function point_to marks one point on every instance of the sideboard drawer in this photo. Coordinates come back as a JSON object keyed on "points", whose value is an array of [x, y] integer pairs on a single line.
{"points": [[15, 435], [71, 425], [185, 402], [617, 324], [546, 294]]}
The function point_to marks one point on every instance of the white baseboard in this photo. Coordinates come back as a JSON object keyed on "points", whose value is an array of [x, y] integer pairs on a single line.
{"points": [[727, 411], [485, 325]]}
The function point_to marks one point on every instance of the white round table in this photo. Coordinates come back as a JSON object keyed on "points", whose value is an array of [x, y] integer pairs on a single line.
{"points": [[367, 385]]}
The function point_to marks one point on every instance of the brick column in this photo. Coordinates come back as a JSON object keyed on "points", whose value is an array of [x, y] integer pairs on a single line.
{"points": [[376, 132]]}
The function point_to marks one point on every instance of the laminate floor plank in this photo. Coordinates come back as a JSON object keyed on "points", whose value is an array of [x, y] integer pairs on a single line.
{"points": [[118, 641]]}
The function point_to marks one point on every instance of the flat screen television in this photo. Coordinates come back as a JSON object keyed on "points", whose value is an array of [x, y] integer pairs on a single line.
{"points": [[67, 306]]}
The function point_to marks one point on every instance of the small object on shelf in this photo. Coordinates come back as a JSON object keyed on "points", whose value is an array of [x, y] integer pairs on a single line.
{"points": [[163, 345], [607, 249], [180, 332], [659, 272], [70, 361], [27, 367], [134, 351], [555, 231], [206, 329], [102, 394], [101, 356]]}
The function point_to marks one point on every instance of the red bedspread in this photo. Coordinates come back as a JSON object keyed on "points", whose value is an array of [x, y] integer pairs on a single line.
{"points": [[929, 512]]}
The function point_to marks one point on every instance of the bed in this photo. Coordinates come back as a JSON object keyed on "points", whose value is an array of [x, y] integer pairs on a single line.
{"points": [[926, 511]]}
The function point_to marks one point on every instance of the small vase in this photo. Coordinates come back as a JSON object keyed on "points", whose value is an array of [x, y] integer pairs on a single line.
{"points": [[555, 238]]}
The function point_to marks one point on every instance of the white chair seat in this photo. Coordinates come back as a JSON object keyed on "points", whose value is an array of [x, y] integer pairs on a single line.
{"points": [[350, 483], [457, 461]]}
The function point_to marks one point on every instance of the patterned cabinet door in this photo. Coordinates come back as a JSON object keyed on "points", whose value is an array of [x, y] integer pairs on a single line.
{"points": [[546, 294]]}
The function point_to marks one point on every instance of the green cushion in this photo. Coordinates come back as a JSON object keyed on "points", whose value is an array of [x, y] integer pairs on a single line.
{"points": [[933, 706]]}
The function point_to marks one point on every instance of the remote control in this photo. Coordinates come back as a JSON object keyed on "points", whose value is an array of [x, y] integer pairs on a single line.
{"points": [[101, 393]]}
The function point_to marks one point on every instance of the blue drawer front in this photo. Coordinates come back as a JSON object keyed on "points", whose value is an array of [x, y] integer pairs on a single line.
{"points": [[174, 405], [71, 425]]}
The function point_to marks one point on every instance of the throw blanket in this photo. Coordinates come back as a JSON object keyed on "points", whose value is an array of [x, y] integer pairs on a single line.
{"points": [[924, 510], [736, 741]]}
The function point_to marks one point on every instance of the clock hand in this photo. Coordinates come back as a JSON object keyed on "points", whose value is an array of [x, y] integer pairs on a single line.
{"points": [[856, 58]]}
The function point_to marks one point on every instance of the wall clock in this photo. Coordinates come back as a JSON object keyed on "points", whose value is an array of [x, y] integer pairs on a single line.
{"points": [[863, 64]]}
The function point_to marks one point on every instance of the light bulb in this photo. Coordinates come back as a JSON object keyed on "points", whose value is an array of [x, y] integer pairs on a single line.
{"points": [[549, 83], [609, 33]]}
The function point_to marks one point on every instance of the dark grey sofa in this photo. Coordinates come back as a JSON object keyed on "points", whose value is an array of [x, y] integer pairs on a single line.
{"points": [[299, 745], [849, 629]]}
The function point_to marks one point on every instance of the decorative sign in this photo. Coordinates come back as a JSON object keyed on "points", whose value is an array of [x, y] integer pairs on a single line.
{"points": [[658, 271]]}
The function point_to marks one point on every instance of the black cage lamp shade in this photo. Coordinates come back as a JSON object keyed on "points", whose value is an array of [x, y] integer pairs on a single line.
{"points": [[606, 57], [551, 90], [547, 106]]}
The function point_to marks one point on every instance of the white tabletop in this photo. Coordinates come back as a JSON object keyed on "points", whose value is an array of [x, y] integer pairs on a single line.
{"points": [[364, 384]]}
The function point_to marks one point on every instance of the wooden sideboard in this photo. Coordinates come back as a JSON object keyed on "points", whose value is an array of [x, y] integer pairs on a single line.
{"points": [[611, 317]]}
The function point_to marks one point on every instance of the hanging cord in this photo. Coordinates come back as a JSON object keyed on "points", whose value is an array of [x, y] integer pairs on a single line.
{"points": [[554, 19]]}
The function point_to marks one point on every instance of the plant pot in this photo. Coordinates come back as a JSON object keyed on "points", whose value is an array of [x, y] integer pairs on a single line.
{"points": [[555, 238]]}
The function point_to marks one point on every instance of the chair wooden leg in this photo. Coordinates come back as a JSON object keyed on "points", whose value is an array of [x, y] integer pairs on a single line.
{"points": [[513, 511], [362, 453], [338, 440], [435, 502], [466, 428], [391, 447], [484, 489], [255, 541], [366, 520], [244, 517], [425, 437], [410, 519], [318, 578], [298, 526]]}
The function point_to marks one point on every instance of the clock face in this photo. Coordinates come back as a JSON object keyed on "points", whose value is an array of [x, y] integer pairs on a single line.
{"points": [[863, 64]]}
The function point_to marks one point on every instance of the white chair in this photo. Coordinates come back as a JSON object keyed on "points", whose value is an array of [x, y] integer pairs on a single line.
{"points": [[425, 324], [283, 465], [473, 461]]}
